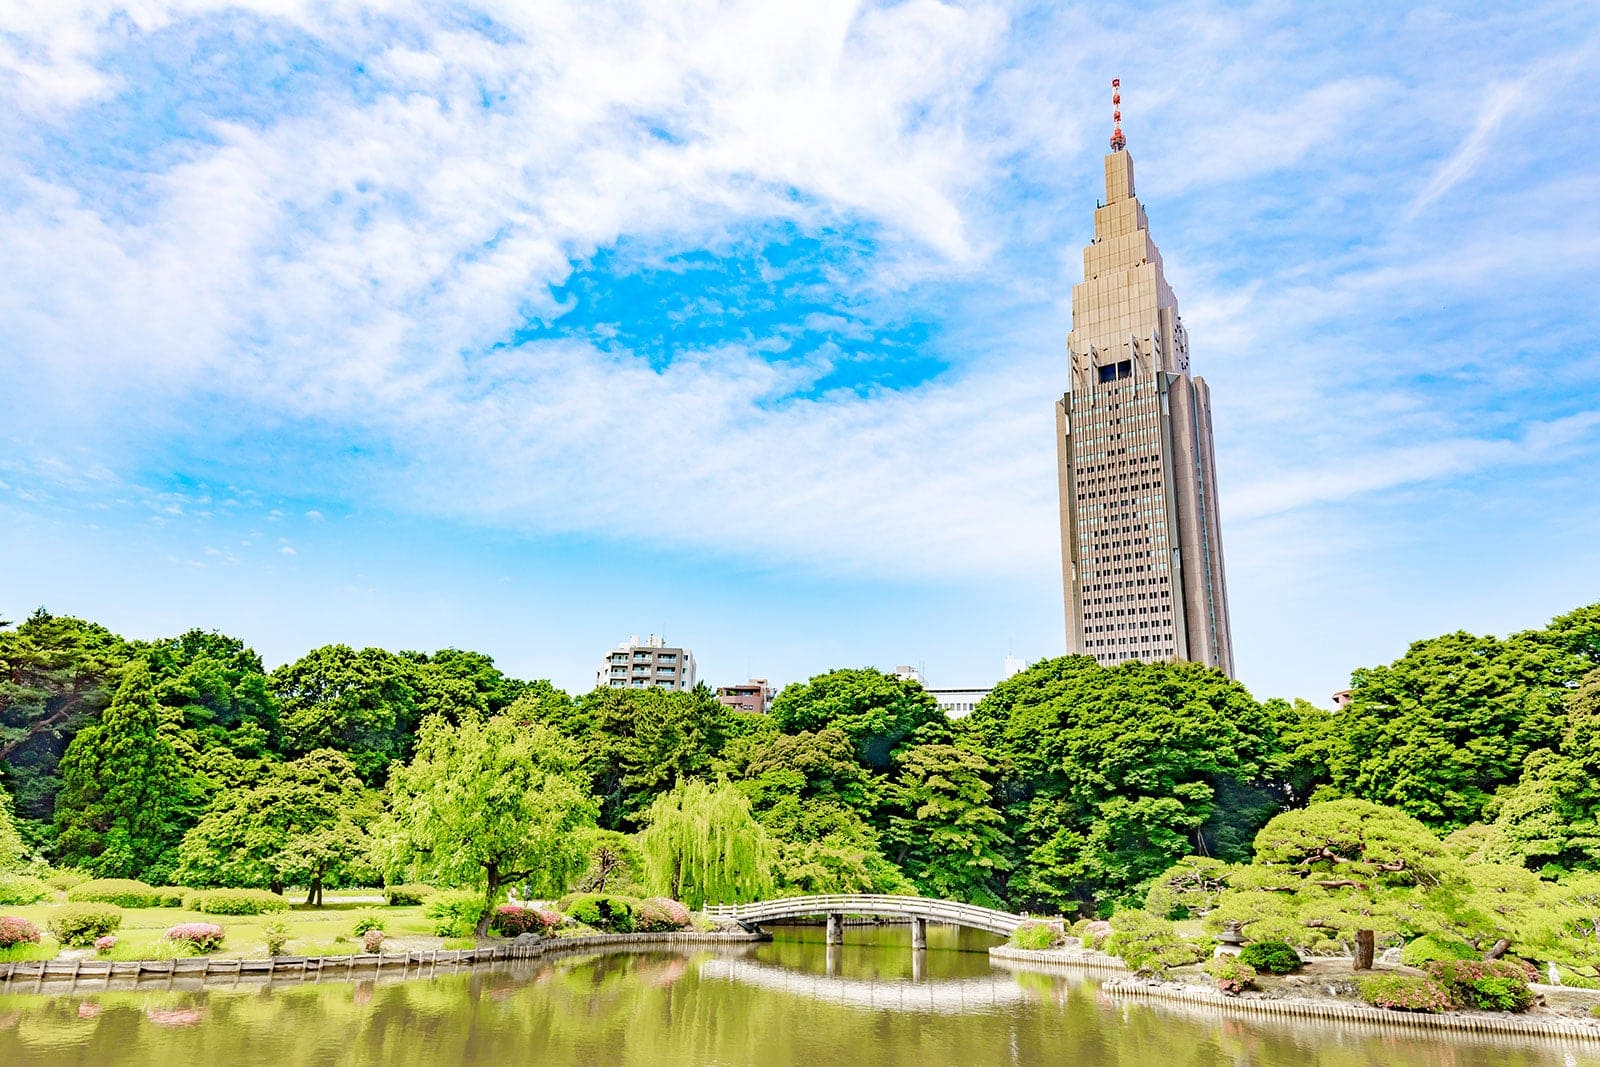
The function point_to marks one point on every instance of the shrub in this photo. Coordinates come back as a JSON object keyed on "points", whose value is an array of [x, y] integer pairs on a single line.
{"points": [[661, 915], [15, 931], [104, 945], [1490, 985], [123, 892], [455, 913], [1399, 992], [1424, 950], [237, 902], [1035, 935], [1595, 1011], [170, 896], [1274, 957], [1095, 933], [1232, 974], [372, 940], [512, 919], [65, 878], [457, 943], [82, 924], [603, 911], [407, 895], [368, 919], [202, 937], [276, 934], [19, 890], [1149, 944]]}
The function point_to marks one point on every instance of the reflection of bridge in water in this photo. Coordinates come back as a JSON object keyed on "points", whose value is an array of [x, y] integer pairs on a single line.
{"points": [[919, 910], [951, 995]]}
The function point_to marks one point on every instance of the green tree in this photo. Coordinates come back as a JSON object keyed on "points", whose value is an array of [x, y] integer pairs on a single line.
{"points": [[702, 844], [126, 799], [12, 849], [304, 824], [491, 802], [945, 833], [218, 687], [364, 704], [878, 712]]}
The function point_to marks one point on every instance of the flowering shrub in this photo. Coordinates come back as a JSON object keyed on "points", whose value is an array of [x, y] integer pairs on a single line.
{"points": [[513, 919], [372, 940], [82, 924], [202, 937], [1492, 985], [661, 915], [1399, 992], [1231, 973], [105, 944], [15, 931]]}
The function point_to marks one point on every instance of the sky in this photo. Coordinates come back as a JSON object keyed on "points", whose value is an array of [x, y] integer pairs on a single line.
{"points": [[527, 327]]}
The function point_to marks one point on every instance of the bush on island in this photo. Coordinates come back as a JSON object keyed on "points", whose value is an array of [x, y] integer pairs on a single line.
{"points": [[1274, 957], [368, 919], [1149, 944], [83, 924], [1489, 985], [1421, 951], [408, 895], [19, 890], [1094, 933], [455, 913], [661, 915], [512, 919], [1231, 973], [1035, 935], [236, 902], [603, 911], [201, 937], [123, 892], [17, 931], [1400, 992], [276, 935]]}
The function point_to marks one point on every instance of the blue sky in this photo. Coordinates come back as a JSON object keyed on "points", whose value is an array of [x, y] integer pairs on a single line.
{"points": [[523, 327]]}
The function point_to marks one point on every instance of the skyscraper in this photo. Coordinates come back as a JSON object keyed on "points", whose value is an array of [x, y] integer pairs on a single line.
{"points": [[1141, 542]]}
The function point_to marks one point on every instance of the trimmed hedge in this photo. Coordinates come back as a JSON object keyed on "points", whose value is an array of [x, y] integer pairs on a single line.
{"points": [[408, 895], [83, 924], [123, 892], [1489, 985], [1274, 957], [1400, 992], [1424, 950], [603, 911], [171, 896], [19, 890], [236, 902]]}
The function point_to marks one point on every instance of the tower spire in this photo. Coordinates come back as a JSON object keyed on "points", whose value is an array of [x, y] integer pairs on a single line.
{"points": [[1118, 142]]}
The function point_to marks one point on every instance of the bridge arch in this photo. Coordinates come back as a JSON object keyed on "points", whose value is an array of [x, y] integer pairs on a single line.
{"points": [[875, 905]]}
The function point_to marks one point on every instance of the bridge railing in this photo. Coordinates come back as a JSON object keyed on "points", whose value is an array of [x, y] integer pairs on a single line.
{"points": [[885, 905]]}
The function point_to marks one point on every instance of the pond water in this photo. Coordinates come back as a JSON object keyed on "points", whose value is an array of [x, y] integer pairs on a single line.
{"points": [[789, 1003]]}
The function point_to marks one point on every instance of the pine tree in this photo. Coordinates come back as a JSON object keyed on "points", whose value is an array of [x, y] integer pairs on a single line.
{"points": [[126, 798]]}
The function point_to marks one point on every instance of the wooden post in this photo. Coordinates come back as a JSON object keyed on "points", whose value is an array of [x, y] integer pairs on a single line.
{"points": [[919, 933], [1365, 944], [835, 928]]}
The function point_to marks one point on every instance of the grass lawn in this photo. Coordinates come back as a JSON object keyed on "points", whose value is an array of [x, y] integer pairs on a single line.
{"points": [[312, 931]]}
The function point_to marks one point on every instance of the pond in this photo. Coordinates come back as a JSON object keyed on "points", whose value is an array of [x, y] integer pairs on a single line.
{"points": [[792, 1002]]}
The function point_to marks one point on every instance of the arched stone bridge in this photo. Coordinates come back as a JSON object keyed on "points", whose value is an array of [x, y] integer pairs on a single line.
{"points": [[920, 910]]}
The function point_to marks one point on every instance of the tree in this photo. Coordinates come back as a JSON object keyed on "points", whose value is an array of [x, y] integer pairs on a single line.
{"points": [[945, 833], [362, 703], [12, 849], [126, 799], [878, 712], [304, 824], [702, 844], [491, 802], [219, 689]]}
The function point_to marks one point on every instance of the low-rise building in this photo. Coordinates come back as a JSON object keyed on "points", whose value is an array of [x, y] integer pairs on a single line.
{"points": [[753, 695], [648, 664]]}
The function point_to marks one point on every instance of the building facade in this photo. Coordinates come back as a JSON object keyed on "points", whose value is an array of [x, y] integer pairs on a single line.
{"points": [[753, 695], [1141, 541], [643, 665]]}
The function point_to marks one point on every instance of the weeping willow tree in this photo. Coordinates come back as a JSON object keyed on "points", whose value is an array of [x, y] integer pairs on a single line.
{"points": [[702, 844]]}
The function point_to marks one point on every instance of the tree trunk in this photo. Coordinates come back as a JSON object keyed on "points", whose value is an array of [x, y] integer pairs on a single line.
{"points": [[1498, 949], [314, 893], [491, 894], [1365, 943]]}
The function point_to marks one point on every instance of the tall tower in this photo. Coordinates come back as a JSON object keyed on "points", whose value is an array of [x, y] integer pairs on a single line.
{"points": [[1141, 542]]}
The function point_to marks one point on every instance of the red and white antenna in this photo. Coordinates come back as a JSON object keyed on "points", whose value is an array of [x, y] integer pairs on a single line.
{"points": [[1118, 142]]}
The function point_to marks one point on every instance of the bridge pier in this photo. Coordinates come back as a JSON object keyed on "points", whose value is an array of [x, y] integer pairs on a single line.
{"points": [[919, 932], [835, 928]]}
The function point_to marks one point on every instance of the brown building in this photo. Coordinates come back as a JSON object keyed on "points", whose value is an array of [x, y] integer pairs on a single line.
{"points": [[1141, 541], [753, 695]]}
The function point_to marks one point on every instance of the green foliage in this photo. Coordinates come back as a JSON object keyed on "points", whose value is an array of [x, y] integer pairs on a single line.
{"points": [[236, 902], [661, 915], [1150, 945], [408, 894], [275, 932], [702, 844], [1192, 886], [490, 802], [1036, 936], [369, 919], [1233, 974], [20, 890], [12, 850], [1274, 957], [454, 912], [67, 877], [615, 864], [603, 911], [171, 896], [217, 690], [126, 798], [1399, 992], [80, 924], [123, 892], [944, 831], [1428, 948], [1489, 985], [876, 712]]}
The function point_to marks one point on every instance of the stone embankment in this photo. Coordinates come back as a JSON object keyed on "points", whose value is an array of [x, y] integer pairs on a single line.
{"points": [[50, 975]]}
